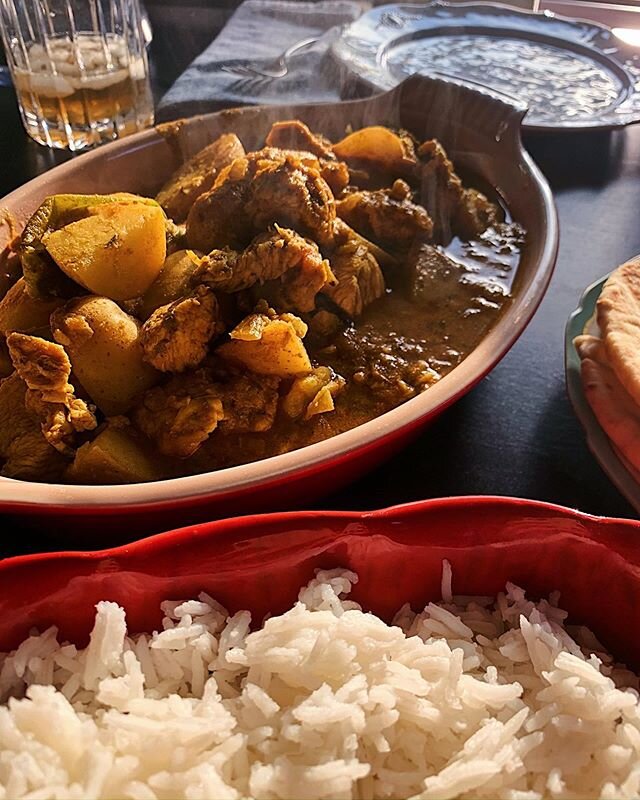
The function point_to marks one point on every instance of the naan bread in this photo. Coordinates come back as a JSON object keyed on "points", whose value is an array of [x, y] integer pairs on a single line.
{"points": [[614, 408], [618, 314]]}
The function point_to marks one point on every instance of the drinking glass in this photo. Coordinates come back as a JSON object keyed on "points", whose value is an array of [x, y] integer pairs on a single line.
{"points": [[79, 68]]}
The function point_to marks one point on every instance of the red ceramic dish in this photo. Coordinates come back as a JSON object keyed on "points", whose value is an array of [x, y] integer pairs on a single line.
{"points": [[481, 132], [260, 562]]}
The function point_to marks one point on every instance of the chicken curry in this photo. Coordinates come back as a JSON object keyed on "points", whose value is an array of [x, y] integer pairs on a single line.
{"points": [[261, 302]]}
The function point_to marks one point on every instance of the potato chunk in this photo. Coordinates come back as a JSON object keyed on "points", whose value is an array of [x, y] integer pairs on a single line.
{"points": [[269, 345], [22, 313], [117, 251], [41, 274], [313, 393], [384, 147], [103, 344], [114, 456]]}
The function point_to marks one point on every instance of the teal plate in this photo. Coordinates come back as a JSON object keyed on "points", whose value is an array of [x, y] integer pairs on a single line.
{"points": [[615, 466]]}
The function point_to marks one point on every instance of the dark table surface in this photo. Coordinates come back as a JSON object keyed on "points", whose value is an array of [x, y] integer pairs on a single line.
{"points": [[515, 433]]}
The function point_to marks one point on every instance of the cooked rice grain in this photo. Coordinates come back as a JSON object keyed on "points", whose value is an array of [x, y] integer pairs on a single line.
{"points": [[470, 698]]}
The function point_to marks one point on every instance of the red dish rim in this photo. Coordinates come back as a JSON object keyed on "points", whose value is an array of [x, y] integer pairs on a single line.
{"points": [[229, 525]]}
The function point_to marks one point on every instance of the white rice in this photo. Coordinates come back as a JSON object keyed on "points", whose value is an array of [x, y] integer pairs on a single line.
{"points": [[473, 697]]}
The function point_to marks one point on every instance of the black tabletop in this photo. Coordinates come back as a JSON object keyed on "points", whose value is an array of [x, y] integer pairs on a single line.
{"points": [[515, 433]]}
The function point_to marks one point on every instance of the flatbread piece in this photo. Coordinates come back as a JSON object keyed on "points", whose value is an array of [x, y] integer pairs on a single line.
{"points": [[618, 315], [612, 405]]}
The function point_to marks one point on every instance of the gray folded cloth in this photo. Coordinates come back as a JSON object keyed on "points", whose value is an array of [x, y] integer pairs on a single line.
{"points": [[264, 29]]}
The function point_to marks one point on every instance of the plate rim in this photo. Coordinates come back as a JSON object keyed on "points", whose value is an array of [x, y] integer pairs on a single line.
{"points": [[339, 48], [597, 440]]}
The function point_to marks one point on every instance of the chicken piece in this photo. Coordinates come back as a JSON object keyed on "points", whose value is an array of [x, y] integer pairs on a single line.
{"points": [[293, 194], [295, 135], [336, 174], [6, 367], [45, 369], [344, 233], [292, 134], [269, 344], [15, 420], [400, 190], [475, 214], [250, 403], [313, 393], [267, 187], [174, 281], [262, 159], [283, 255], [182, 414], [360, 279], [441, 189], [387, 216], [176, 236], [42, 365], [298, 288], [198, 175], [218, 217], [25, 314], [323, 326], [451, 290], [60, 423], [27, 454], [31, 458], [433, 278], [176, 336], [455, 211]]}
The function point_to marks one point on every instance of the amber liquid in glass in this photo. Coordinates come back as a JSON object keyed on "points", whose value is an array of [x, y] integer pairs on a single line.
{"points": [[76, 94]]}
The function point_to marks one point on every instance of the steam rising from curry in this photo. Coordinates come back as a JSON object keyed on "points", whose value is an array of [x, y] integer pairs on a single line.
{"points": [[263, 301]]}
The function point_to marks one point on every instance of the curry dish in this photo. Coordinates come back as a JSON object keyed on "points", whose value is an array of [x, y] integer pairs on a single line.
{"points": [[262, 302]]}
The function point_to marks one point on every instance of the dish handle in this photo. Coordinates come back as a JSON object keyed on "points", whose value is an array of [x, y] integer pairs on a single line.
{"points": [[458, 112]]}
